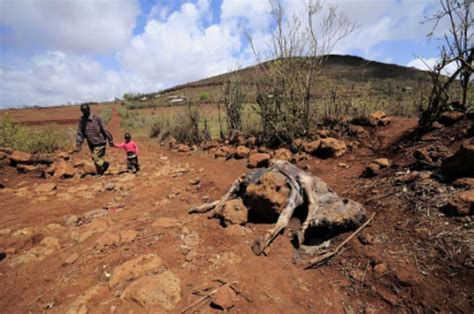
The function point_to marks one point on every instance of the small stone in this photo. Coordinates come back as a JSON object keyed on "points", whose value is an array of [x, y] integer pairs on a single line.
{"points": [[259, 160], [135, 268], [382, 162], [110, 186], [191, 255], [71, 259], [343, 165], [194, 181], [224, 298], [380, 268], [45, 188]]}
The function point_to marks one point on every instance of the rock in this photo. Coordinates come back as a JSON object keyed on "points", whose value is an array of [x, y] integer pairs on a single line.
{"points": [[88, 169], [47, 246], [79, 306], [226, 259], [45, 188], [51, 169], [283, 154], [382, 162], [436, 125], [21, 157], [371, 170], [380, 269], [311, 147], [224, 298], [5, 231], [343, 165], [299, 156], [110, 186], [431, 156], [135, 268], [257, 160], [194, 181], [24, 168], [331, 147], [87, 230], [460, 164], [53, 227], [128, 236], [71, 259], [165, 222], [460, 204], [183, 148], [449, 118], [162, 290], [242, 152], [191, 239], [379, 118], [63, 155], [64, 170], [234, 212], [210, 144], [464, 183], [268, 197], [72, 221], [190, 256]]}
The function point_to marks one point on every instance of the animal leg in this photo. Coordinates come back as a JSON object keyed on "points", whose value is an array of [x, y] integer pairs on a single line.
{"points": [[306, 183], [203, 208], [261, 244]]}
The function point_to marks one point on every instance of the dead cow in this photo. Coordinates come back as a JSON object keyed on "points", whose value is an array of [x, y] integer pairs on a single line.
{"points": [[321, 206]]}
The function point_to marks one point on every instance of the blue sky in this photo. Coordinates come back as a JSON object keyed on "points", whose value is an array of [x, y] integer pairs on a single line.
{"points": [[69, 51]]}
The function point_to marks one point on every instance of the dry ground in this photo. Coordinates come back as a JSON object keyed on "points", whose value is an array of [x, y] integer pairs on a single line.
{"points": [[396, 265]]}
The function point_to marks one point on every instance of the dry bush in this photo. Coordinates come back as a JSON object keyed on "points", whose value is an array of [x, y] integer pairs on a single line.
{"points": [[284, 85]]}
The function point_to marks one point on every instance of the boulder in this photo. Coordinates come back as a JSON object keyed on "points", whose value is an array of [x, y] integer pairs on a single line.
{"points": [[461, 164], [64, 170], [135, 268], [464, 183], [21, 157], [163, 290], [234, 212], [257, 160], [431, 156], [379, 118], [183, 148], [331, 147], [449, 118], [283, 154], [242, 152], [311, 147], [460, 204], [46, 188]]}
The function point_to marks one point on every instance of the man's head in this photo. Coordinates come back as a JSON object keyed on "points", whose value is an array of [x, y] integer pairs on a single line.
{"points": [[86, 110], [127, 137]]}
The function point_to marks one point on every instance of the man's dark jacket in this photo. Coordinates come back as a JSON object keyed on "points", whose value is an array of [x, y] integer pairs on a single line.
{"points": [[93, 130]]}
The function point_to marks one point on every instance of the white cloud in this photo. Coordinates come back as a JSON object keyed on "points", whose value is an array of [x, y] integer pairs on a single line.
{"points": [[428, 64], [56, 78], [84, 26], [180, 48]]}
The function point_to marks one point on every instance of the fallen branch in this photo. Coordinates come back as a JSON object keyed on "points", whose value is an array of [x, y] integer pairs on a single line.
{"points": [[317, 261], [236, 290], [207, 297]]}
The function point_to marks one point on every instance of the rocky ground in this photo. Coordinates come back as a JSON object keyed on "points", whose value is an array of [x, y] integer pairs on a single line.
{"points": [[72, 242]]}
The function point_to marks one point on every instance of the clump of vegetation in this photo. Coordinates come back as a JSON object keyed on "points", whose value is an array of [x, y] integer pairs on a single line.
{"points": [[41, 139], [233, 101], [204, 96], [106, 114]]}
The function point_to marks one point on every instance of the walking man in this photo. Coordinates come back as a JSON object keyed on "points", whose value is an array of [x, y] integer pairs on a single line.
{"points": [[93, 129]]}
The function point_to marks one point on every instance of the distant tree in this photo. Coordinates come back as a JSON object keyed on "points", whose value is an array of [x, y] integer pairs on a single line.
{"points": [[297, 52], [457, 49]]}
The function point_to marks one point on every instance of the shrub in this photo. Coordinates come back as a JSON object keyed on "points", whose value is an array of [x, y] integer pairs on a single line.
{"points": [[204, 96], [106, 114], [41, 139]]}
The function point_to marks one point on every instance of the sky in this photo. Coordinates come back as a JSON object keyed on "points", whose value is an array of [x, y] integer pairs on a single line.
{"points": [[56, 52]]}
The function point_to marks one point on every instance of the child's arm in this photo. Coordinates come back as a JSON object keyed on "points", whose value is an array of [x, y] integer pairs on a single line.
{"points": [[120, 145], [136, 148]]}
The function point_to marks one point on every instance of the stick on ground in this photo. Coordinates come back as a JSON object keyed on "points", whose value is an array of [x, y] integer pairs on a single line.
{"points": [[323, 258]]}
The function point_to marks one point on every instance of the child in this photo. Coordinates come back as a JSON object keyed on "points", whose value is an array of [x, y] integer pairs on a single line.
{"points": [[132, 153]]}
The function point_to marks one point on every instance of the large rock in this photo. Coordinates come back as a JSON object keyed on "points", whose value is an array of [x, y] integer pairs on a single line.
{"points": [[242, 152], [331, 147], [234, 212], [450, 117], [379, 118], [461, 164], [64, 170], [311, 147], [282, 154], [138, 267], [258, 160], [21, 157], [431, 156], [461, 203], [46, 188], [163, 290], [268, 197]]}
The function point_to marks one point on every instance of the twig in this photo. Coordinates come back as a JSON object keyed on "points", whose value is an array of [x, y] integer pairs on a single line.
{"points": [[323, 258], [236, 290], [206, 297], [365, 271]]}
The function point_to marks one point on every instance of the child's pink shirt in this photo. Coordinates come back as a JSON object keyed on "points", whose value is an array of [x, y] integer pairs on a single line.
{"points": [[130, 147]]}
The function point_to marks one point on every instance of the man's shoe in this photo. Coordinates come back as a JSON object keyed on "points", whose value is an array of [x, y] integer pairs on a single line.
{"points": [[105, 167]]}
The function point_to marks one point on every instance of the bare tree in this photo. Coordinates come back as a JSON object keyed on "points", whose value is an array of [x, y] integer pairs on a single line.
{"points": [[298, 50], [457, 49], [233, 100]]}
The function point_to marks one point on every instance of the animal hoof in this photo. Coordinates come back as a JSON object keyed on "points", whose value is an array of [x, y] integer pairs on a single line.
{"points": [[257, 247]]}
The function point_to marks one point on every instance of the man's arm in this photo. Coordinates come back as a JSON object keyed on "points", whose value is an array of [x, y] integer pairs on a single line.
{"points": [[106, 132]]}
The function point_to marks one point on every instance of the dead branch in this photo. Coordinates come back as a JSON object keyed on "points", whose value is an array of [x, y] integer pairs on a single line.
{"points": [[317, 261], [198, 303]]}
